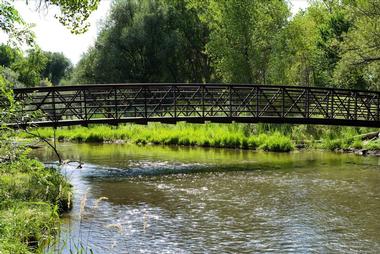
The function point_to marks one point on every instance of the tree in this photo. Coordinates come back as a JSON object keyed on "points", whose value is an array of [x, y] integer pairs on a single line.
{"points": [[30, 67], [148, 41], [8, 55], [73, 14], [359, 66], [157, 41], [57, 67], [242, 36], [296, 52], [308, 49]]}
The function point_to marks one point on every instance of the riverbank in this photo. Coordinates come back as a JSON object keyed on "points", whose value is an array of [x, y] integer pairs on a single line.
{"points": [[32, 198], [271, 138], [182, 134]]}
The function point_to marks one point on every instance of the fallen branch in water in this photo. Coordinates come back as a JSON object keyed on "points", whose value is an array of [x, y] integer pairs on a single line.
{"points": [[47, 142], [368, 136]]}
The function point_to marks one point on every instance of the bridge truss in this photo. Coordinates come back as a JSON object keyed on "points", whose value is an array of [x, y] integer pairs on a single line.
{"points": [[197, 103]]}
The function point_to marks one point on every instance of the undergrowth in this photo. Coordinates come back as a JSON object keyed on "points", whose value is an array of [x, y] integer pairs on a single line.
{"points": [[31, 200], [183, 134], [276, 138]]}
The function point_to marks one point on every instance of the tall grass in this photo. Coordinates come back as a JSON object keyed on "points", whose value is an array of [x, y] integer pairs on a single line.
{"points": [[337, 138], [268, 137], [183, 134], [31, 199]]}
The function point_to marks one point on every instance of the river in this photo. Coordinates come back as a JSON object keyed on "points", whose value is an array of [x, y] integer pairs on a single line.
{"points": [[152, 199]]}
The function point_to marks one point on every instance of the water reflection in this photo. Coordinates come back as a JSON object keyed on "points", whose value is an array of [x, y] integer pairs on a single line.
{"points": [[174, 199]]}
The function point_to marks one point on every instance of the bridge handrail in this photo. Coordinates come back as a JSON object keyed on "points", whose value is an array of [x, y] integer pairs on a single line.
{"points": [[199, 102], [236, 85]]}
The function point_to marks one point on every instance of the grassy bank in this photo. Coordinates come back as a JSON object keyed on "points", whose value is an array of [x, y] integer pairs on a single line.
{"points": [[207, 135], [277, 138], [31, 199], [346, 138], [350, 143]]}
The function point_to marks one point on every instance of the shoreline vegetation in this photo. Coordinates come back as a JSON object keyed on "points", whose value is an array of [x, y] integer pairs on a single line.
{"points": [[32, 198], [266, 137]]}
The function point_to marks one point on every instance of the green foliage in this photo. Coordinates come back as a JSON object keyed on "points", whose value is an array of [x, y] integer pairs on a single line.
{"points": [[73, 14], [183, 134], [13, 25], [242, 36], [360, 55], [331, 43], [8, 55], [31, 198], [36, 68], [373, 145], [7, 104], [30, 68], [147, 41], [57, 67], [277, 143], [337, 138], [332, 144]]}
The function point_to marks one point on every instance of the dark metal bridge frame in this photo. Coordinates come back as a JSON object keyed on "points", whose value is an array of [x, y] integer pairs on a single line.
{"points": [[198, 103]]}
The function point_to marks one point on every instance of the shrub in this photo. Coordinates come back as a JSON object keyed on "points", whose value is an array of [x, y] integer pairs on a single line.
{"points": [[332, 144], [277, 143], [95, 138]]}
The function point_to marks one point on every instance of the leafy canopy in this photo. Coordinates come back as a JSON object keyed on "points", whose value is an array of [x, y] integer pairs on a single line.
{"points": [[73, 14], [148, 41]]}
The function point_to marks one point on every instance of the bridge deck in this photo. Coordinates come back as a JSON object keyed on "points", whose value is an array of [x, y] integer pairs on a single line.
{"points": [[170, 103]]}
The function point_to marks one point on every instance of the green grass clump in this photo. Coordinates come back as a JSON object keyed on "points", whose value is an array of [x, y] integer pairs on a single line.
{"points": [[31, 199], [357, 144], [372, 145], [183, 134], [277, 143], [332, 144]]}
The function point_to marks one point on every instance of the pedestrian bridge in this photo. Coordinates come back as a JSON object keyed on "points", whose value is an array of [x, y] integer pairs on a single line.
{"points": [[196, 103]]}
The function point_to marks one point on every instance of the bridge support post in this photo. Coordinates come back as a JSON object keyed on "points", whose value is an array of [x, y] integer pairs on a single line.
{"points": [[115, 102], [307, 102], [203, 101], [378, 107], [230, 98], [356, 106], [53, 106], [145, 103], [85, 106], [283, 102], [257, 101], [175, 100]]}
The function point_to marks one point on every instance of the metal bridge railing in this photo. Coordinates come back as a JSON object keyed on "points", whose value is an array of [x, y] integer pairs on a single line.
{"points": [[141, 103]]}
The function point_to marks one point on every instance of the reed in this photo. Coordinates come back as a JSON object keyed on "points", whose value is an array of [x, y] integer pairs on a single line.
{"points": [[240, 136]]}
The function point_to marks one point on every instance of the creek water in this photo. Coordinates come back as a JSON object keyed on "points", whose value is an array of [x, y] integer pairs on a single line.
{"points": [[152, 199]]}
